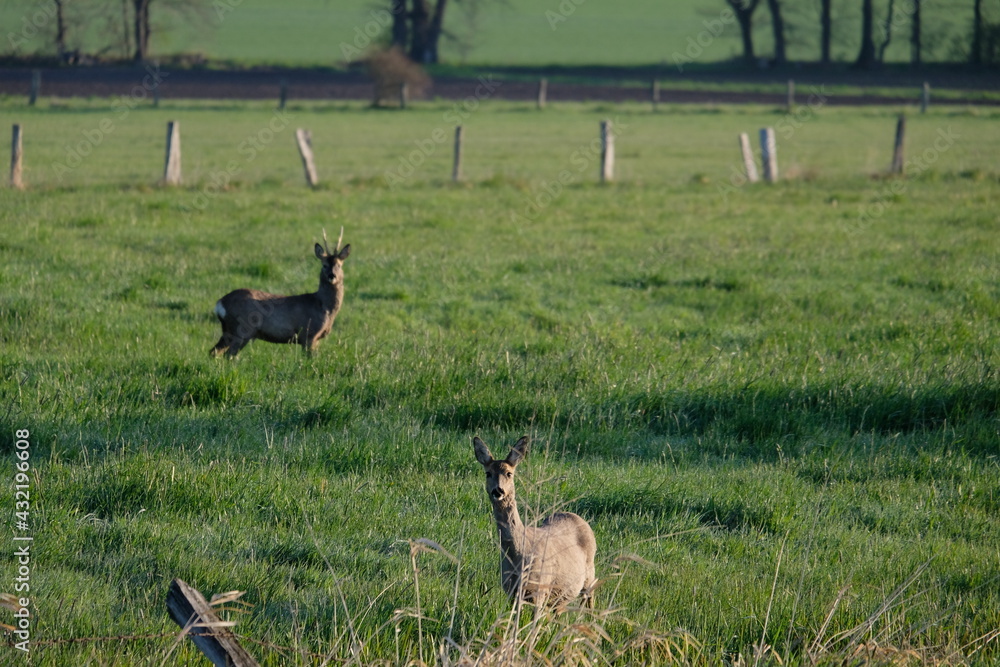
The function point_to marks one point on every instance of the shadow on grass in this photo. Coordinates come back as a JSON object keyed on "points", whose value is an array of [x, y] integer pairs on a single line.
{"points": [[749, 422], [756, 414], [730, 514]]}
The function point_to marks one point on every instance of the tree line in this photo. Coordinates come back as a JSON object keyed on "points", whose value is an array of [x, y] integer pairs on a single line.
{"points": [[877, 28], [418, 26]]}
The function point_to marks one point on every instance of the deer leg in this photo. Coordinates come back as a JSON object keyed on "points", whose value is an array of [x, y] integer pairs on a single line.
{"points": [[588, 591], [235, 345], [224, 344], [220, 347]]}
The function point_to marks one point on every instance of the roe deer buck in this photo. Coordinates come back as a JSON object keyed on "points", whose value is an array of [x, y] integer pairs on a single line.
{"points": [[305, 319], [550, 564]]}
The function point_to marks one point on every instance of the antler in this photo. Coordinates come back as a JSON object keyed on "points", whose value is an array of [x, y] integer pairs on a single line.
{"points": [[326, 244]]}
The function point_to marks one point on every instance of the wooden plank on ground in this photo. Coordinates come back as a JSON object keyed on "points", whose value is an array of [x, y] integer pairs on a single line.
{"points": [[189, 609]]}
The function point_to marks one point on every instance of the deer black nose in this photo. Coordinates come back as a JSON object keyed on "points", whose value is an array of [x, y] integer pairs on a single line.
{"points": [[498, 493]]}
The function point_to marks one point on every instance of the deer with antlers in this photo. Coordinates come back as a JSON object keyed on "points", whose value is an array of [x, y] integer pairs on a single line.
{"points": [[304, 319]]}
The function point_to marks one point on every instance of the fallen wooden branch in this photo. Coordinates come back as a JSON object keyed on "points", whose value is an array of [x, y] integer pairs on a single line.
{"points": [[189, 609]]}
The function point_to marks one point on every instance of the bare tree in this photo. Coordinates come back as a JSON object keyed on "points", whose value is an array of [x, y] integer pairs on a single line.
{"points": [[425, 30], [976, 53], [826, 30], [126, 40], [866, 56], [886, 31], [399, 29], [140, 26], [60, 27], [743, 10], [778, 29], [418, 31], [168, 12]]}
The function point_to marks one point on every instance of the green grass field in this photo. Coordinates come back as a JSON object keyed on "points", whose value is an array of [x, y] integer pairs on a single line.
{"points": [[521, 32], [776, 405]]}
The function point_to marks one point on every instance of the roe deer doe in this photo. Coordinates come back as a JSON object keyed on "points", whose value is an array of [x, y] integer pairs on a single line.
{"points": [[550, 564], [304, 319]]}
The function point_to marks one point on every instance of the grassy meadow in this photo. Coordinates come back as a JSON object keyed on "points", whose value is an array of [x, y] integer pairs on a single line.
{"points": [[777, 405]]}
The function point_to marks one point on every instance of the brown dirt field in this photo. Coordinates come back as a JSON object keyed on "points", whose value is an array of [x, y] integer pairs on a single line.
{"points": [[330, 85]]}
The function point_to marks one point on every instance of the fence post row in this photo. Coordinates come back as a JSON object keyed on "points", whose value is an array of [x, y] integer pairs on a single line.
{"points": [[769, 154], [172, 169], [768, 145]]}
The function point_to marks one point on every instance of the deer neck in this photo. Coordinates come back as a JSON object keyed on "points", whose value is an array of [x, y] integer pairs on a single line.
{"points": [[331, 296], [512, 531]]}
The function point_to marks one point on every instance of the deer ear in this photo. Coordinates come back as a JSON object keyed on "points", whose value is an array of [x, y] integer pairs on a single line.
{"points": [[482, 451], [320, 253], [344, 253], [518, 451]]}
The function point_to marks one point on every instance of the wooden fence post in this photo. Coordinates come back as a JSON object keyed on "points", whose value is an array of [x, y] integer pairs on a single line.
{"points": [[897, 151], [769, 154], [543, 91], [16, 154], [607, 152], [791, 95], [304, 140], [925, 97], [36, 86], [404, 95], [456, 170], [172, 169], [189, 609], [654, 93], [749, 166]]}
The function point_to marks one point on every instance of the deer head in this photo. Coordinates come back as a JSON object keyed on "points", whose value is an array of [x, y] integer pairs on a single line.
{"points": [[332, 272], [500, 474]]}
